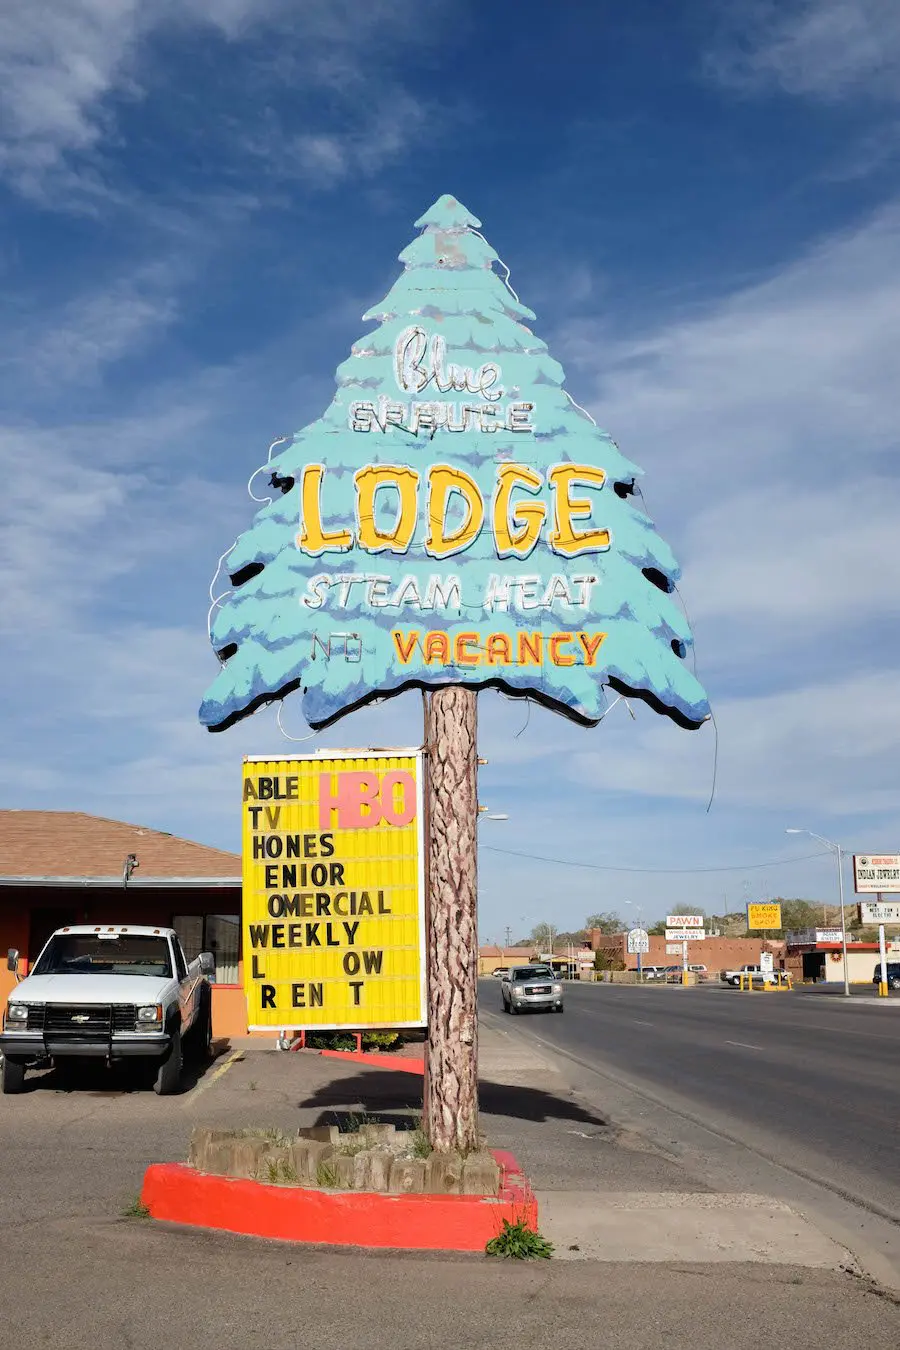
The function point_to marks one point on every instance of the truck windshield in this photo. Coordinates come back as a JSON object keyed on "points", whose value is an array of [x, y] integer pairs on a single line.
{"points": [[115, 954]]}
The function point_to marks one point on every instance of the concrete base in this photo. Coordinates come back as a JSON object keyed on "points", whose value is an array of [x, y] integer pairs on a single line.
{"points": [[460, 1223], [639, 1226]]}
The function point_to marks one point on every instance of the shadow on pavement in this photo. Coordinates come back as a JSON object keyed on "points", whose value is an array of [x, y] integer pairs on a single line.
{"points": [[93, 1078], [384, 1092]]}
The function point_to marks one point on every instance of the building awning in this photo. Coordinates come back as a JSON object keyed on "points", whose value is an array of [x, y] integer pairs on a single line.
{"points": [[135, 884]]}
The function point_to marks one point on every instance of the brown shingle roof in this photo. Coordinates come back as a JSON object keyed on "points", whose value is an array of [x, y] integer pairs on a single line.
{"points": [[73, 844]]}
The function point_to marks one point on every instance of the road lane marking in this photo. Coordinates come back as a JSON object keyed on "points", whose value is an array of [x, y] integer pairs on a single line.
{"points": [[215, 1075], [638, 1023], [744, 1045]]}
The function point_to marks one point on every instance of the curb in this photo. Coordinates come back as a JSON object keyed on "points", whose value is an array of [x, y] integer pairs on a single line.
{"points": [[377, 1060], [177, 1193]]}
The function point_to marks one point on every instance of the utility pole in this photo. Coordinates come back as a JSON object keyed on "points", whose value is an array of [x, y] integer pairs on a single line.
{"points": [[450, 1103]]}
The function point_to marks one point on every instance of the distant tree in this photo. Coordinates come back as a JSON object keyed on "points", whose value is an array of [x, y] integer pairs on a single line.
{"points": [[687, 909], [606, 922], [658, 929]]}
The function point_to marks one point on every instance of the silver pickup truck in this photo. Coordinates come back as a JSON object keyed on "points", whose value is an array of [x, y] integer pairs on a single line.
{"points": [[110, 993], [527, 988]]}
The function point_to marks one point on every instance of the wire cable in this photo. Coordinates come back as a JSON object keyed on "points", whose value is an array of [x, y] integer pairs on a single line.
{"points": [[661, 871]]}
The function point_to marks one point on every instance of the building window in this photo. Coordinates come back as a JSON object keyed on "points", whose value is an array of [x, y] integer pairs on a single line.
{"points": [[216, 933]]}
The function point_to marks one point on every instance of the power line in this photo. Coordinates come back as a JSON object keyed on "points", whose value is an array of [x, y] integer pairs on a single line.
{"points": [[664, 871]]}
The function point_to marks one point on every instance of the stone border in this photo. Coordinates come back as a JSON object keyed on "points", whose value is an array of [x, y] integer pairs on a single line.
{"points": [[177, 1193]]}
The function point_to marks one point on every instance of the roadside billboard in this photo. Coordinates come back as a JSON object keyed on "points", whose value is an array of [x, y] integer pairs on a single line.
{"points": [[763, 915], [684, 935], [333, 903], [874, 872], [638, 941], [685, 920]]}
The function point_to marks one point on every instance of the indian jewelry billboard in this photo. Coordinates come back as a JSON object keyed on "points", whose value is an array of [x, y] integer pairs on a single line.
{"points": [[454, 517]]}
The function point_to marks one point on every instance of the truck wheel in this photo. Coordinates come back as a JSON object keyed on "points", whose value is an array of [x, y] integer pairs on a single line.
{"points": [[13, 1075], [168, 1077]]}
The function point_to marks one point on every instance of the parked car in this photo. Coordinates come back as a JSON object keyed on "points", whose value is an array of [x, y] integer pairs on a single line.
{"points": [[109, 994], [653, 972], [500, 973], [525, 988], [893, 974]]}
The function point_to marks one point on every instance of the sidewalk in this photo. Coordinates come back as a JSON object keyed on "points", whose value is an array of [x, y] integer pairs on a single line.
{"points": [[604, 1193]]}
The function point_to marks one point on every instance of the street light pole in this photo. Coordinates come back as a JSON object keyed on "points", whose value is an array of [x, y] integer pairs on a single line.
{"points": [[839, 853]]}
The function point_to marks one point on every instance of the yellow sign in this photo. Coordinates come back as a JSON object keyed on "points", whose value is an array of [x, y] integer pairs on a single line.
{"points": [[764, 916], [333, 881]]}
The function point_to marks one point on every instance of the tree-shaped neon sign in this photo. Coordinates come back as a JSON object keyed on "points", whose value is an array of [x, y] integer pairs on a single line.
{"points": [[453, 518]]}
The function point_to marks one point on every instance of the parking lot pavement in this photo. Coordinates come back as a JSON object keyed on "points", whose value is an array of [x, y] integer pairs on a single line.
{"points": [[80, 1272]]}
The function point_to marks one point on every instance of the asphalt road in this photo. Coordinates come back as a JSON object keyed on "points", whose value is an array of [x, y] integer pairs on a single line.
{"points": [[810, 1082]]}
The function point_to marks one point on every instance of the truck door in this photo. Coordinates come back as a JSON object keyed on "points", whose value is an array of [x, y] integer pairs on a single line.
{"points": [[187, 992]]}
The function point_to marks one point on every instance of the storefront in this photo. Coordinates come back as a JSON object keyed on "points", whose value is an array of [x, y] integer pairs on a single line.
{"points": [[817, 957], [65, 867]]}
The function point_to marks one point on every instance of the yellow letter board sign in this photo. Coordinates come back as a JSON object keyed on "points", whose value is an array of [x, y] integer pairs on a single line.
{"points": [[333, 891], [764, 916]]}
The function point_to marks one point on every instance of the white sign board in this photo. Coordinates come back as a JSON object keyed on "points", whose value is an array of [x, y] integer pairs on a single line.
{"points": [[684, 935], [871, 913], [685, 920], [766, 963], [673, 949], [638, 941], [874, 872]]}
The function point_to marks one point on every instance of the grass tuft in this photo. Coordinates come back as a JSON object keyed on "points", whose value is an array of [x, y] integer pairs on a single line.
{"points": [[518, 1242], [326, 1175], [136, 1210]]}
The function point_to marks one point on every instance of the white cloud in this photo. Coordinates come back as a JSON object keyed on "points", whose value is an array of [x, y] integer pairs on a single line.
{"points": [[776, 375], [62, 62], [836, 742], [767, 428], [827, 49], [77, 340]]}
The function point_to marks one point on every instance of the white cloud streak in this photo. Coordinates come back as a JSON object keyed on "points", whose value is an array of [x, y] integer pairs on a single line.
{"points": [[64, 62], [825, 49]]}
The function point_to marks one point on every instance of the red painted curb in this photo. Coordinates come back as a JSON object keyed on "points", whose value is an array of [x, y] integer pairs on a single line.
{"points": [[457, 1223], [377, 1060]]}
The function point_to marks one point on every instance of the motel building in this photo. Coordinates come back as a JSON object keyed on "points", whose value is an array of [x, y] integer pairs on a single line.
{"points": [[65, 867]]}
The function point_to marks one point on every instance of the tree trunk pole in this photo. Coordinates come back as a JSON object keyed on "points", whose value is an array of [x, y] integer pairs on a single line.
{"points": [[450, 1114]]}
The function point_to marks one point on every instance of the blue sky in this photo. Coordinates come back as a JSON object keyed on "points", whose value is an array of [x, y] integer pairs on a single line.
{"points": [[199, 200]]}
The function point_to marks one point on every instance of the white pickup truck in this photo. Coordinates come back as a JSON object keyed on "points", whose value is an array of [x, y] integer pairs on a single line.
{"points": [[110, 993], [756, 973]]}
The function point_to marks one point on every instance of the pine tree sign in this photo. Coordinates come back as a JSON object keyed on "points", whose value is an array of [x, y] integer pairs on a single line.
{"points": [[454, 517]]}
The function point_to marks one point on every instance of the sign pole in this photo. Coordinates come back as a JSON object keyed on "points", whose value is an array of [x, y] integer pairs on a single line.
{"points": [[882, 946], [450, 1102]]}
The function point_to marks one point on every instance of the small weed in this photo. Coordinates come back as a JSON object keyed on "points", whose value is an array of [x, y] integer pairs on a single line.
{"points": [[420, 1146], [355, 1120], [520, 1243], [350, 1146], [270, 1132], [136, 1210], [281, 1172], [251, 1086], [326, 1175]]}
